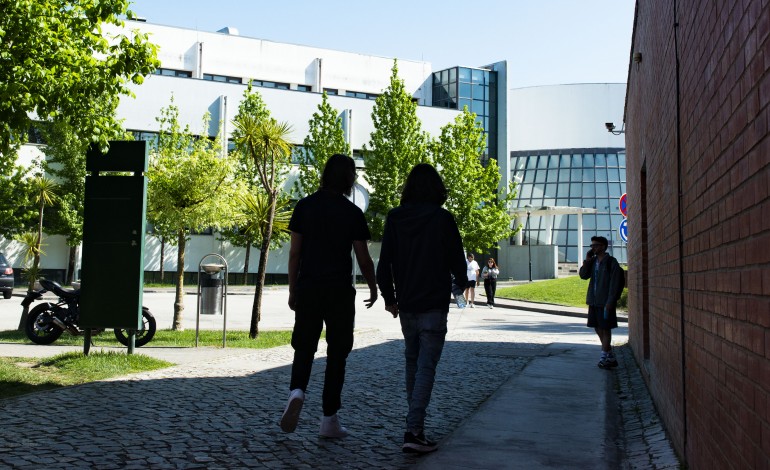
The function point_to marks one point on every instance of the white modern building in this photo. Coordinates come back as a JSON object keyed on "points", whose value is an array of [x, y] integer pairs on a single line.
{"points": [[208, 71]]}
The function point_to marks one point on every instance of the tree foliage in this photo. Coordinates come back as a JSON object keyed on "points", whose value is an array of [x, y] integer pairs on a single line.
{"points": [[264, 141], [190, 187], [58, 58], [65, 161], [396, 145], [17, 213], [479, 206], [325, 138]]}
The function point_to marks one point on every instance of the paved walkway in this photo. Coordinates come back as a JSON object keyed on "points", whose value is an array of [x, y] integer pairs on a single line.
{"points": [[515, 389]]}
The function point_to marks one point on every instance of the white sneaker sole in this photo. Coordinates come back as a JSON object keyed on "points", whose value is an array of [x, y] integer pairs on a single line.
{"points": [[290, 416]]}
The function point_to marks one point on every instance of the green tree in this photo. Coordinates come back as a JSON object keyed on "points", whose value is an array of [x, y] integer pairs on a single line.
{"points": [[17, 214], [190, 187], [479, 206], [246, 172], [65, 161], [325, 138], [60, 58], [265, 141], [395, 146]]}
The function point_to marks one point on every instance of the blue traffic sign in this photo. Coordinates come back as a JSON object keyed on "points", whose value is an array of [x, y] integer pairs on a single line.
{"points": [[623, 230]]}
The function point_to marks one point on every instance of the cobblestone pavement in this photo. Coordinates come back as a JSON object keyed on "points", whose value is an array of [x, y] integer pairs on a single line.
{"points": [[224, 413], [646, 444]]}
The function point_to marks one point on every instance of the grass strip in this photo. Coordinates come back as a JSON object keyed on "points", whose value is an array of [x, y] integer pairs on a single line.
{"points": [[569, 291], [19, 376], [171, 338]]}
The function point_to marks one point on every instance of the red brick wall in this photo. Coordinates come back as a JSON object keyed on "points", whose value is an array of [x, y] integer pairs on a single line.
{"points": [[714, 398]]}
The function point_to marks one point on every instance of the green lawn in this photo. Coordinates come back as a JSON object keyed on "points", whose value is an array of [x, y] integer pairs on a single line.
{"points": [[19, 376], [570, 291]]}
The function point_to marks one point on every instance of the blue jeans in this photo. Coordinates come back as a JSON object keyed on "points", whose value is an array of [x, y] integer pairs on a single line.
{"points": [[424, 335]]}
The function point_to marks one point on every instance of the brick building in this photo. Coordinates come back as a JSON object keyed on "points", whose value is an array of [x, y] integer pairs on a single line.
{"points": [[698, 173]]}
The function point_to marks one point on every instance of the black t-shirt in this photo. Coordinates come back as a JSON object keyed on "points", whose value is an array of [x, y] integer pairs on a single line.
{"points": [[328, 223]]}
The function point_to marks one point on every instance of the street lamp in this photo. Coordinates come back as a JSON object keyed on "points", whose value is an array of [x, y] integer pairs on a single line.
{"points": [[529, 242]]}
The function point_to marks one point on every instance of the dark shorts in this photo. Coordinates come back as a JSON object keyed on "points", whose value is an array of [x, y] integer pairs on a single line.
{"points": [[470, 284], [596, 318]]}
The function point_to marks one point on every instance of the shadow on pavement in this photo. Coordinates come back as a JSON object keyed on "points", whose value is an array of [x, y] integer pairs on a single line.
{"points": [[224, 414]]}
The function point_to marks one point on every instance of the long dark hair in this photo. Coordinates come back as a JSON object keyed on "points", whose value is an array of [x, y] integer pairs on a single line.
{"points": [[339, 174], [424, 184]]}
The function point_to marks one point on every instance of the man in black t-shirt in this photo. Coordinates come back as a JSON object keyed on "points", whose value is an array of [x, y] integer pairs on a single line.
{"points": [[325, 226]]}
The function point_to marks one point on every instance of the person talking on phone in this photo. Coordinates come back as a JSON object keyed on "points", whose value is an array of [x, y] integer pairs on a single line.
{"points": [[604, 289]]}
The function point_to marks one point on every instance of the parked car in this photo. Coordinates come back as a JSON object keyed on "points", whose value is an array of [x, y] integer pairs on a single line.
{"points": [[6, 277]]}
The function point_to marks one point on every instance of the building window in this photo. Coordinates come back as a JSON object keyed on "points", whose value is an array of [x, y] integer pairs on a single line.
{"points": [[173, 73], [221, 78], [151, 137], [459, 87], [331, 91], [304, 88], [589, 178], [361, 94], [269, 84]]}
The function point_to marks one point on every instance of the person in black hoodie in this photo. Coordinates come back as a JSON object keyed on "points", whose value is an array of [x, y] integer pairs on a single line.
{"points": [[324, 227], [421, 251]]}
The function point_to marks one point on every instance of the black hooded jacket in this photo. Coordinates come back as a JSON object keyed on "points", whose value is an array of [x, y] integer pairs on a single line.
{"points": [[421, 250]]}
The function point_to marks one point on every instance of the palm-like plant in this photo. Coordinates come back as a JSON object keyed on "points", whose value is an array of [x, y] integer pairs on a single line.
{"points": [[265, 142], [45, 193], [254, 212]]}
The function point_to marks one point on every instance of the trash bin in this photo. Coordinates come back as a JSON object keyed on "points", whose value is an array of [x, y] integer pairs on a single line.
{"points": [[211, 285]]}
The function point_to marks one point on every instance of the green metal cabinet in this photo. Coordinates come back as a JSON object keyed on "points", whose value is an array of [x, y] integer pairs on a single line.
{"points": [[112, 272]]}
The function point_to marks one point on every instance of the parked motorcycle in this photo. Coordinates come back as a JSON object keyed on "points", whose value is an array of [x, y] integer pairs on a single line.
{"points": [[48, 320]]}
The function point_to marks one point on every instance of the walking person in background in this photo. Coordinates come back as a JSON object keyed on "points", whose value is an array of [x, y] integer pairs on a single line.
{"points": [[604, 289], [489, 274], [473, 280], [324, 227], [421, 250]]}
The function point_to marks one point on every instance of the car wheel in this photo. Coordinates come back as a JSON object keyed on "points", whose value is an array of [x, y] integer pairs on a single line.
{"points": [[7, 294]]}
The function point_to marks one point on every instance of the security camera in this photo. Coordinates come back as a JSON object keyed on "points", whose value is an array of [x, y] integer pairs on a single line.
{"points": [[610, 126]]}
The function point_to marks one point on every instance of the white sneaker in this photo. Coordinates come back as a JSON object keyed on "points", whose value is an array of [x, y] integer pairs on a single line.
{"points": [[490, 306], [471, 304], [331, 427], [290, 415]]}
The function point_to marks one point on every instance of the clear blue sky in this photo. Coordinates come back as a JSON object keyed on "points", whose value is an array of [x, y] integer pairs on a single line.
{"points": [[544, 41]]}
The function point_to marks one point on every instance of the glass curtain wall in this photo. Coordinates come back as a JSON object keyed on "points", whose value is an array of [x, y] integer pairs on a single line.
{"points": [[590, 178], [459, 87]]}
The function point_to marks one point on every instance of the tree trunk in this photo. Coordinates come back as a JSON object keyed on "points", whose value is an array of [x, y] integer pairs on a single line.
{"points": [[256, 309], [179, 298], [70, 277], [162, 257], [246, 264]]}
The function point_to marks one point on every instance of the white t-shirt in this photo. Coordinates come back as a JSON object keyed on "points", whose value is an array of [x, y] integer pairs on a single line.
{"points": [[473, 268]]}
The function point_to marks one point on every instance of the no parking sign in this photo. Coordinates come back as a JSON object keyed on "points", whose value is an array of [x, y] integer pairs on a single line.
{"points": [[622, 205]]}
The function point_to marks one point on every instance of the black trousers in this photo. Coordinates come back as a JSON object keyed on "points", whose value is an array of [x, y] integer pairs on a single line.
{"points": [[314, 308], [490, 287]]}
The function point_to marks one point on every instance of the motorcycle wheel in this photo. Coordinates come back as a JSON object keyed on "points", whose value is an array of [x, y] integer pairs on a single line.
{"points": [[144, 335], [39, 327]]}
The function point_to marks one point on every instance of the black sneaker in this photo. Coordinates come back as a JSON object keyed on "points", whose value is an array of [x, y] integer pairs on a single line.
{"points": [[608, 363], [417, 444]]}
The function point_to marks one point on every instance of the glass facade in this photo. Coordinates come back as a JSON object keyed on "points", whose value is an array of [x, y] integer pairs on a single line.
{"points": [[591, 178], [459, 87]]}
